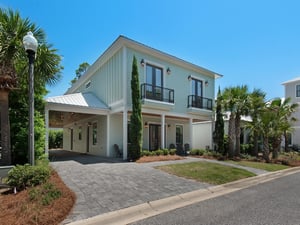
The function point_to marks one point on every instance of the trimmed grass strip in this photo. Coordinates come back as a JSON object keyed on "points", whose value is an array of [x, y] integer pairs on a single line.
{"points": [[258, 165], [207, 172]]}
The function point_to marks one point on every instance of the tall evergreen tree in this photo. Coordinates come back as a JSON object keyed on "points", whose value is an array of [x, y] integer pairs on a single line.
{"points": [[219, 125], [136, 116]]}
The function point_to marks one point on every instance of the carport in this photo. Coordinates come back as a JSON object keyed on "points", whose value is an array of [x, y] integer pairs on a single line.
{"points": [[67, 111]]}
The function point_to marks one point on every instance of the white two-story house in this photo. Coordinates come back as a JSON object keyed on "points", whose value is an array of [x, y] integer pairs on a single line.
{"points": [[95, 112], [292, 90]]}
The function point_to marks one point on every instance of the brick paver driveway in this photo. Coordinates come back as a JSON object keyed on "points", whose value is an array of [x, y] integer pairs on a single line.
{"points": [[103, 185]]}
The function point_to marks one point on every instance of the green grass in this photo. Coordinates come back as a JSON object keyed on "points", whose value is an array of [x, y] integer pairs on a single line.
{"points": [[258, 165], [211, 173]]}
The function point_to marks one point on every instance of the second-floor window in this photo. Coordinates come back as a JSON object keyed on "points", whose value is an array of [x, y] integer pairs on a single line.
{"points": [[154, 80], [298, 90], [154, 75], [197, 86]]}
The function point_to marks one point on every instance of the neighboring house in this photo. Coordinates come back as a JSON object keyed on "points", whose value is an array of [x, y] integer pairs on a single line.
{"points": [[292, 90], [95, 112]]}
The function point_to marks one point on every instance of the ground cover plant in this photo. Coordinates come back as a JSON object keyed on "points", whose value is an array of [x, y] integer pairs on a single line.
{"points": [[41, 199]]}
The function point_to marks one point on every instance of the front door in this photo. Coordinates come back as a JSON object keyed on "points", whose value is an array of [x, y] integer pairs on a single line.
{"points": [[154, 137]]}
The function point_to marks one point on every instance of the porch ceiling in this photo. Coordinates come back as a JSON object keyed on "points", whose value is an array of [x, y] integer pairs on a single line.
{"points": [[67, 108]]}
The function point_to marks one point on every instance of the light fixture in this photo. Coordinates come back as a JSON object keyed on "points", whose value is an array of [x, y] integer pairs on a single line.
{"points": [[31, 45], [190, 77], [168, 70], [146, 125], [169, 125], [142, 62], [206, 83]]}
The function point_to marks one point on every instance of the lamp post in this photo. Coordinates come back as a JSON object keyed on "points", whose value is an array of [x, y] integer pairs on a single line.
{"points": [[30, 45]]}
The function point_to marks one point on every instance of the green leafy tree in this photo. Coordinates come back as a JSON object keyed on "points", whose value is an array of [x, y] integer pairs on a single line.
{"points": [[83, 67], [136, 116], [219, 126], [14, 76]]}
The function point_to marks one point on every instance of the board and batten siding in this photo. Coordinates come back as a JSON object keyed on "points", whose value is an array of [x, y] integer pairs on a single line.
{"points": [[107, 82]]}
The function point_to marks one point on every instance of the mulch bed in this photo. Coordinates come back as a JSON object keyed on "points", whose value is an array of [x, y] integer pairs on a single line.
{"points": [[17, 209]]}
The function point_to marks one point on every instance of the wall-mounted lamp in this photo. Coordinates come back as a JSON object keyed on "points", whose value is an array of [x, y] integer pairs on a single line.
{"points": [[89, 124], [142, 62], [206, 83], [146, 125], [168, 70], [169, 125], [190, 77]]}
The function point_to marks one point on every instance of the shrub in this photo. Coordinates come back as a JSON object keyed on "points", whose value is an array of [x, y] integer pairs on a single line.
{"points": [[45, 194], [145, 153], [172, 151], [165, 151], [194, 152], [23, 176], [159, 152]]}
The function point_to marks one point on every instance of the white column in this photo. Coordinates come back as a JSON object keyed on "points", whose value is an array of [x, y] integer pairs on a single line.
{"points": [[162, 131], [125, 124], [108, 145], [47, 132], [191, 132], [125, 110]]}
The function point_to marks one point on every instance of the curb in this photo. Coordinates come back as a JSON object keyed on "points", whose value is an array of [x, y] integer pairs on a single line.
{"points": [[153, 208]]}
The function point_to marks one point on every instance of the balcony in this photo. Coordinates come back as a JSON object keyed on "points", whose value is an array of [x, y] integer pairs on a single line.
{"points": [[195, 101], [157, 97], [156, 93]]}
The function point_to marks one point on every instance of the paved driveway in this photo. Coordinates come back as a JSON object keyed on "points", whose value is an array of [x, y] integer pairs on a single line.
{"points": [[103, 185]]}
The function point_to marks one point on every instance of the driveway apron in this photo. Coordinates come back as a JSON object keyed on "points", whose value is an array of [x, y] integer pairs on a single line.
{"points": [[102, 186]]}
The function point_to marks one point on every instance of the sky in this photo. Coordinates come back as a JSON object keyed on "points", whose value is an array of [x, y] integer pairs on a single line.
{"points": [[249, 42]]}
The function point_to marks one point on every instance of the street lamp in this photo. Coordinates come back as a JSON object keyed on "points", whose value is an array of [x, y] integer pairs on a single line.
{"points": [[30, 45]]}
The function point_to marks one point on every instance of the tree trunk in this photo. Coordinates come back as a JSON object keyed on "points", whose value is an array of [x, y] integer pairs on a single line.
{"points": [[286, 142], [276, 147], [5, 158], [266, 151], [237, 135], [255, 144], [231, 132]]}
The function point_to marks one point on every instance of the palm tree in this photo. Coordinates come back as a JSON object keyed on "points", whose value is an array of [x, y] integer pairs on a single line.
{"points": [[236, 101], [257, 103], [283, 110], [228, 100], [13, 60]]}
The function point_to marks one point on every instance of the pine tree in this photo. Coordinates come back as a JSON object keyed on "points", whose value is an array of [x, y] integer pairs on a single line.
{"points": [[136, 116]]}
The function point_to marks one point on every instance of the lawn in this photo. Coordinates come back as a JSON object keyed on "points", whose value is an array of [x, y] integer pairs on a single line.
{"points": [[211, 173], [258, 165]]}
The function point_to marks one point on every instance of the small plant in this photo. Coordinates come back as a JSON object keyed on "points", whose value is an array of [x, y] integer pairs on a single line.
{"points": [[165, 152], [159, 152], [23, 176], [145, 153], [45, 194], [172, 151]]}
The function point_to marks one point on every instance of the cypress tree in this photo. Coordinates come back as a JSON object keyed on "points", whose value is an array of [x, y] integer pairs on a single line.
{"points": [[136, 116], [219, 126]]}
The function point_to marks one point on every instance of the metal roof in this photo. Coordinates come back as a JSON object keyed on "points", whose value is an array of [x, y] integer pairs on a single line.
{"points": [[291, 81], [79, 99]]}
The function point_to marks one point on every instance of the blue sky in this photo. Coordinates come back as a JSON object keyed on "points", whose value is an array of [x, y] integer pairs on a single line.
{"points": [[253, 42]]}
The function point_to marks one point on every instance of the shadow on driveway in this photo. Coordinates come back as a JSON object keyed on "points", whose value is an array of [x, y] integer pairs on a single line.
{"points": [[82, 158]]}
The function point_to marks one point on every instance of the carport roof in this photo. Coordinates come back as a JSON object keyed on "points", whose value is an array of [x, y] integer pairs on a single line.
{"points": [[88, 100]]}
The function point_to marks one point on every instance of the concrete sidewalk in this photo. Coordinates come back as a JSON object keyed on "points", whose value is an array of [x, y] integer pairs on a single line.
{"points": [[102, 185]]}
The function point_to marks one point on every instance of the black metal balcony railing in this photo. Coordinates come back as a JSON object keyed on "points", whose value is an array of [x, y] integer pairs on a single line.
{"points": [[199, 102], [149, 91]]}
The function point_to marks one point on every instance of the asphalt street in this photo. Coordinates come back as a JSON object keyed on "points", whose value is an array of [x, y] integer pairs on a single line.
{"points": [[276, 202]]}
